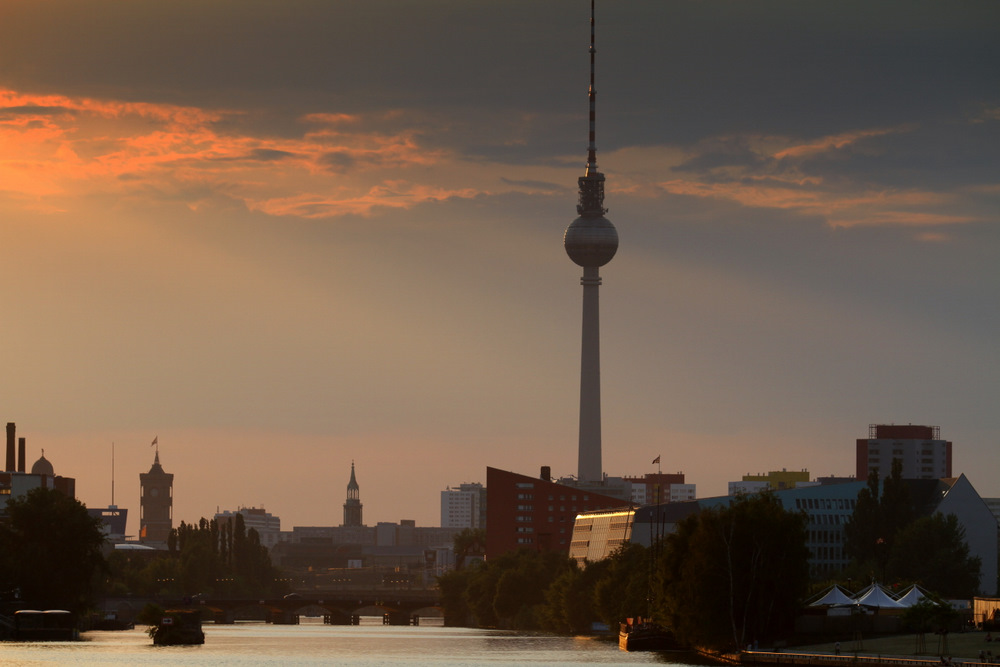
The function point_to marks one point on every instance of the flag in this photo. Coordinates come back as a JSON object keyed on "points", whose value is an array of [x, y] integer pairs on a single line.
{"points": [[155, 438], [656, 460]]}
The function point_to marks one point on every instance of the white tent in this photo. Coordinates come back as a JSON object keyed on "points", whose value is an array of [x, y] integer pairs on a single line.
{"points": [[876, 596], [833, 596], [912, 596]]}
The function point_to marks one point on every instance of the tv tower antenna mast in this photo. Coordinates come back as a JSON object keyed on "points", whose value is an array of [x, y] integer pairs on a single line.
{"points": [[591, 241]]}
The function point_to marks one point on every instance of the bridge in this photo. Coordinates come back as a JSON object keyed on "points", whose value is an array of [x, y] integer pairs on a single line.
{"points": [[401, 607]]}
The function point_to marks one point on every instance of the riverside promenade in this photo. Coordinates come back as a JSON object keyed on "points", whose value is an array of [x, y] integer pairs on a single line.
{"points": [[959, 648]]}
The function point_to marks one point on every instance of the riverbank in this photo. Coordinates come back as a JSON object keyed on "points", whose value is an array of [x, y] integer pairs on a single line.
{"points": [[959, 645], [958, 648]]}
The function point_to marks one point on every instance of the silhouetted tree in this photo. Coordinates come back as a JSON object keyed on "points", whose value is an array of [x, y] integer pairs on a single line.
{"points": [[882, 509], [944, 564], [51, 550], [734, 574], [469, 542], [622, 589]]}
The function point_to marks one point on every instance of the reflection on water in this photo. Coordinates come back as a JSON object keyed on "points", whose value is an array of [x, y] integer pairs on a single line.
{"points": [[313, 643]]}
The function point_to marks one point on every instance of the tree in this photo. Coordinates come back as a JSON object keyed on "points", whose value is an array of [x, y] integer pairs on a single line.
{"points": [[622, 589], [871, 531], [508, 592], [51, 550], [945, 565], [734, 574], [469, 542]]}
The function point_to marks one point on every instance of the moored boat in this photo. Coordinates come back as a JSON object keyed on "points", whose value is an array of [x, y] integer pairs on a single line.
{"points": [[644, 635], [178, 626]]}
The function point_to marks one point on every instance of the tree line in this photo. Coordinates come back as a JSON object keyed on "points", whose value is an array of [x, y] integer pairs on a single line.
{"points": [[53, 555], [213, 558], [726, 577]]}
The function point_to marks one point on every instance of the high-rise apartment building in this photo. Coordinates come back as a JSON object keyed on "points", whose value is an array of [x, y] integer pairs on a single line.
{"points": [[464, 507], [920, 449]]}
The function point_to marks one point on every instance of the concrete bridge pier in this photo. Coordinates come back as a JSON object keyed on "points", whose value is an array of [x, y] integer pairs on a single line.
{"points": [[395, 618], [340, 618], [224, 616], [284, 617]]}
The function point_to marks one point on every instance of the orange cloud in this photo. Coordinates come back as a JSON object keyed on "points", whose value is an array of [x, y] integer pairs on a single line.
{"points": [[836, 141], [55, 147], [840, 209]]}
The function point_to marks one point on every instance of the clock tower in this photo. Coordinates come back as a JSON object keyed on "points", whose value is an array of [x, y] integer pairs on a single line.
{"points": [[156, 503]]}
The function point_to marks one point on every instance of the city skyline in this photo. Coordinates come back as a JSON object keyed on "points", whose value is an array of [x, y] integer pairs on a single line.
{"points": [[282, 238]]}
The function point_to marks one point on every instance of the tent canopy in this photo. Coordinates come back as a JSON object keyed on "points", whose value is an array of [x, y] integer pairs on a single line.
{"points": [[911, 597], [833, 596], [877, 596]]}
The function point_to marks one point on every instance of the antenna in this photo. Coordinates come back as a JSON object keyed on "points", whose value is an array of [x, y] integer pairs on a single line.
{"points": [[592, 182], [592, 147], [112, 473]]}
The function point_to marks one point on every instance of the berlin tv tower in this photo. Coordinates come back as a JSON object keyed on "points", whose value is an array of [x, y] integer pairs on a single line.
{"points": [[591, 241]]}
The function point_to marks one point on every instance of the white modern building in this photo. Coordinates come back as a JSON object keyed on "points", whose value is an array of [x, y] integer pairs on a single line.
{"points": [[464, 507], [267, 525]]}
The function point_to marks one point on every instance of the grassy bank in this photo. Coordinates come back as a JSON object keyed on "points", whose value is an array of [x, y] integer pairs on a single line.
{"points": [[964, 645]]}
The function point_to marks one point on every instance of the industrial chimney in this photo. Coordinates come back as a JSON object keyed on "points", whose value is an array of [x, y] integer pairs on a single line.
{"points": [[21, 455], [11, 464]]}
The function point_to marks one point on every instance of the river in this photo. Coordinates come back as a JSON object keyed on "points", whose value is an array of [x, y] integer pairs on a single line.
{"points": [[312, 643]]}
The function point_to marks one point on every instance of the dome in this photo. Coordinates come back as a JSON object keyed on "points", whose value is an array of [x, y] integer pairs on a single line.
{"points": [[591, 240], [43, 467]]}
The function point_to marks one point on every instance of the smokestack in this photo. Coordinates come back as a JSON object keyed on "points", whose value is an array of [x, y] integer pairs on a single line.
{"points": [[11, 465], [546, 474], [20, 454]]}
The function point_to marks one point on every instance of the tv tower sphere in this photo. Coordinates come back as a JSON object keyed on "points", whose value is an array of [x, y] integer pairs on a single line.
{"points": [[591, 240]]}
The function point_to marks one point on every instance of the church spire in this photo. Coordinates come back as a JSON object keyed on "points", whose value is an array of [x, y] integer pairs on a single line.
{"points": [[352, 506]]}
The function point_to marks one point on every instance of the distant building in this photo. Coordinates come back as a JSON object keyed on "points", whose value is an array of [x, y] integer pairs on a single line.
{"points": [[16, 483], [113, 521], [597, 534], [464, 507], [827, 507], [352, 506], [659, 488], [776, 480], [156, 503], [747, 486], [535, 513], [267, 525], [920, 449]]}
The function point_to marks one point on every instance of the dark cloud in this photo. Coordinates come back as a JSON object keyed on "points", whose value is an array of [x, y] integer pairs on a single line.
{"points": [[724, 152], [269, 155], [668, 73], [337, 161], [536, 185], [33, 110]]}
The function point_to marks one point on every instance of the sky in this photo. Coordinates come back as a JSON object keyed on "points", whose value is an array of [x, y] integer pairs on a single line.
{"points": [[280, 237]]}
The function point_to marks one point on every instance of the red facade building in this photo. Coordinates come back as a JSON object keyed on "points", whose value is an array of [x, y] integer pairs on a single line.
{"points": [[534, 513]]}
